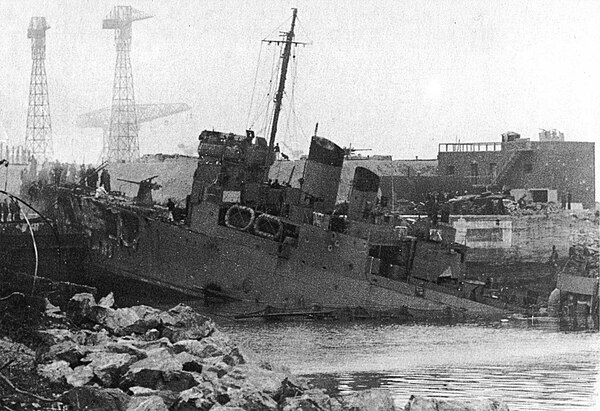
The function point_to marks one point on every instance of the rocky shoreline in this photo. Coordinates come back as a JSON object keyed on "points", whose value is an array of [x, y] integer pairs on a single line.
{"points": [[91, 356]]}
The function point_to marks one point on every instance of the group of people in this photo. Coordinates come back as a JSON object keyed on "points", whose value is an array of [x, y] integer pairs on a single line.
{"points": [[12, 210], [57, 173]]}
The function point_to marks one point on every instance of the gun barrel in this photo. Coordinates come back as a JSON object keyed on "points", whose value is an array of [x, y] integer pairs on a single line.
{"points": [[129, 181]]}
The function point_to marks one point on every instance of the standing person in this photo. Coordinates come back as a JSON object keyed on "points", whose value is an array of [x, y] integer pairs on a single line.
{"points": [[57, 173], [105, 179], [82, 175], [554, 257], [4, 210], [92, 177], [33, 168], [568, 200], [15, 210], [171, 207]]}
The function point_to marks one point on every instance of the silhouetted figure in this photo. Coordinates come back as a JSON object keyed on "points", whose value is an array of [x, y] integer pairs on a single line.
{"points": [[15, 210], [57, 173], [568, 201], [554, 257], [33, 168], [105, 180], [92, 177], [171, 207], [4, 210]]}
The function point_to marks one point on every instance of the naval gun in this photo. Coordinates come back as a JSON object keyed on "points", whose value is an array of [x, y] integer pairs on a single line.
{"points": [[144, 195], [349, 151]]}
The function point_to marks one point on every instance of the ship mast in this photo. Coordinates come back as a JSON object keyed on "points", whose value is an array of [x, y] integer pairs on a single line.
{"points": [[287, 51]]}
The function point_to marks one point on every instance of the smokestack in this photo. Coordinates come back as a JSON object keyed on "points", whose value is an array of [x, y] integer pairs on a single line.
{"points": [[363, 194], [322, 174]]}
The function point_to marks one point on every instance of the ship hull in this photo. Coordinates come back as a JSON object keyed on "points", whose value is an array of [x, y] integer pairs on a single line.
{"points": [[325, 270]]}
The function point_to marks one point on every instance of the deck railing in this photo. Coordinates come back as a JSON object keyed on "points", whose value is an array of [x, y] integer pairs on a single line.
{"points": [[469, 147]]}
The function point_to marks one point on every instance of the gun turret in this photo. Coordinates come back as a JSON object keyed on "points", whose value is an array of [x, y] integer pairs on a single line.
{"points": [[144, 195]]}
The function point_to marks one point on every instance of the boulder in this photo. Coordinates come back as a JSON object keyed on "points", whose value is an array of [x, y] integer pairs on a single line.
{"points": [[201, 397], [307, 403], [66, 350], [118, 322], [80, 376], [142, 344], [213, 346], [250, 399], [151, 403], [189, 362], [287, 389], [250, 377], [55, 371], [152, 335], [79, 307], [96, 398], [108, 367], [51, 336], [370, 400], [107, 301], [160, 370], [126, 346], [215, 370], [183, 323], [417, 403], [235, 357], [311, 400], [88, 337], [168, 397]]}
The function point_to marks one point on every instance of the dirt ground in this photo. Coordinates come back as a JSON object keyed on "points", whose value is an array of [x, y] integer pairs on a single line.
{"points": [[20, 386]]}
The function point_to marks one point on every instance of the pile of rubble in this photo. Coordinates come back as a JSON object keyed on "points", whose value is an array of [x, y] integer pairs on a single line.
{"points": [[145, 359]]}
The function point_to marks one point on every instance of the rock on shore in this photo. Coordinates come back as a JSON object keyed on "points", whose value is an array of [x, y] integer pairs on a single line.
{"points": [[144, 359]]}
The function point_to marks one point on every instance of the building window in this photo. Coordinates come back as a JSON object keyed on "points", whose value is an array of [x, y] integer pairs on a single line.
{"points": [[449, 170], [528, 167]]}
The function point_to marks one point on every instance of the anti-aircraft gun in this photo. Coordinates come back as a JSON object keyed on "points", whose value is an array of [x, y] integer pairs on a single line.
{"points": [[349, 151], [144, 195]]}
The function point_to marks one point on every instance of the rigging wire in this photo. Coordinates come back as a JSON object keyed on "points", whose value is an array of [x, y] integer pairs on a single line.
{"points": [[303, 30], [254, 85], [277, 30]]}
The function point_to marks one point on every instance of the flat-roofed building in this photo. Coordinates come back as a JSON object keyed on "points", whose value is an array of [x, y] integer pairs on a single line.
{"points": [[515, 163]]}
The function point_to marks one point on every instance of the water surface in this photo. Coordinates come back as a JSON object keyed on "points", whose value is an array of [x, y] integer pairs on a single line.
{"points": [[530, 368]]}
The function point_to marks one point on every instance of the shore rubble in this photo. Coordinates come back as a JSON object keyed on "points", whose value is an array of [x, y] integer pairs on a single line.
{"points": [[92, 356]]}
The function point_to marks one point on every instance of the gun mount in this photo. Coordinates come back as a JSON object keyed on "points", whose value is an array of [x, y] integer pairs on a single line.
{"points": [[144, 195]]}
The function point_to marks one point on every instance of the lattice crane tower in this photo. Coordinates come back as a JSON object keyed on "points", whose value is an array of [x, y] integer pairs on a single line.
{"points": [[144, 112], [123, 144], [38, 136]]}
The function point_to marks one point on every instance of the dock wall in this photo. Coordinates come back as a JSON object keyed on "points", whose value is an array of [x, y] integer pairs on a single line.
{"points": [[515, 239]]}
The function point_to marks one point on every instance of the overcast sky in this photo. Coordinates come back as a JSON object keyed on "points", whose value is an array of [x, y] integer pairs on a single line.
{"points": [[398, 77]]}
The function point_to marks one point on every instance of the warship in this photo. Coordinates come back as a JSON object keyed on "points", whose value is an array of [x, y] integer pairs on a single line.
{"points": [[267, 246]]}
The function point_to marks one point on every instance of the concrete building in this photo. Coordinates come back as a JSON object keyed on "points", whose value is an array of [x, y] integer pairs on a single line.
{"points": [[516, 163]]}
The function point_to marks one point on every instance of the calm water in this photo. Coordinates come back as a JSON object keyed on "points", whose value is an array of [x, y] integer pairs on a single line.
{"points": [[530, 368]]}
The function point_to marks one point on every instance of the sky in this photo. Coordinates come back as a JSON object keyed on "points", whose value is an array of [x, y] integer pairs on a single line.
{"points": [[396, 77]]}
